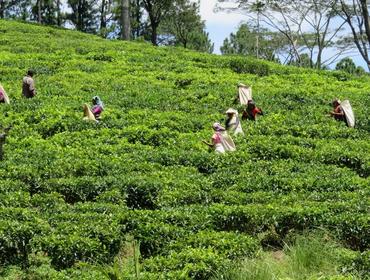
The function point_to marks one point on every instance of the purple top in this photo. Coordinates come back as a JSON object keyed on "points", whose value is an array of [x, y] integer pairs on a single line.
{"points": [[96, 110]]}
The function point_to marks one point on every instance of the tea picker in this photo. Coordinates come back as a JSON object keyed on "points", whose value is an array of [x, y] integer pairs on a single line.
{"points": [[233, 122], [28, 85], [94, 113], [221, 141], [251, 111], [343, 112]]}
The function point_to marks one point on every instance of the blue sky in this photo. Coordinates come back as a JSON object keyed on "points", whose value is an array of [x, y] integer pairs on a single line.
{"points": [[219, 26]]}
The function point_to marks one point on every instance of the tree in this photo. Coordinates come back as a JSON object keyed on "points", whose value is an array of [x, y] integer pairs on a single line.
{"points": [[45, 11], [202, 43], [184, 26], [304, 61], [138, 26], [59, 12], [125, 20], [84, 15], [347, 65], [356, 15], [6, 7], [307, 26], [18, 9], [243, 42], [138, 22], [157, 10], [321, 31], [104, 17]]}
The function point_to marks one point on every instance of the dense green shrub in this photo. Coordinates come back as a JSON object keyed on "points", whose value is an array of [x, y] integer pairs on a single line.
{"points": [[250, 66], [18, 227], [72, 191], [193, 263]]}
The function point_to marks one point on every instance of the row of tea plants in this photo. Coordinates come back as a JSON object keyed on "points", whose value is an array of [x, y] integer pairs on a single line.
{"points": [[72, 193]]}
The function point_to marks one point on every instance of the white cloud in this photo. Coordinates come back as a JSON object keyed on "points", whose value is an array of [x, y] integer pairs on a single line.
{"points": [[219, 24], [207, 13]]}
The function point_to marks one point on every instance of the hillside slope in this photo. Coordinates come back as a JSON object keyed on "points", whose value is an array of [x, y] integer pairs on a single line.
{"points": [[72, 192]]}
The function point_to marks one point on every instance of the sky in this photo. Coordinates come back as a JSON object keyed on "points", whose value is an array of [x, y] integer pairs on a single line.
{"points": [[219, 25]]}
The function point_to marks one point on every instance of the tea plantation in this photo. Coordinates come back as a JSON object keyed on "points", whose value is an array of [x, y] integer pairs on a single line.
{"points": [[72, 192]]}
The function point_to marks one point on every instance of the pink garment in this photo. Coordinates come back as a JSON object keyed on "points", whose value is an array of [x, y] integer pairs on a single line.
{"points": [[216, 138], [96, 110], [2, 97]]}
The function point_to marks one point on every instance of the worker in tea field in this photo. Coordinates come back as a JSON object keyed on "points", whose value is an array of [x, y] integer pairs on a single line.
{"points": [[251, 111], [233, 122], [3, 96], [221, 141], [28, 85], [342, 111], [98, 107], [96, 110]]}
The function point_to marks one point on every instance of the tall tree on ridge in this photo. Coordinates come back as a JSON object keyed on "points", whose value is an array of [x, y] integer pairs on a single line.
{"points": [[157, 10], [243, 42], [184, 26], [6, 6], [356, 15], [125, 20], [84, 15], [59, 12], [39, 15], [46, 12], [307, 25], [106, 15], [103, 12], [138, 27]]}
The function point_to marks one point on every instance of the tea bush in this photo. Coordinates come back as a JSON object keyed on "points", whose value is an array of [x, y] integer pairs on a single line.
{"points": [[72, 191]]}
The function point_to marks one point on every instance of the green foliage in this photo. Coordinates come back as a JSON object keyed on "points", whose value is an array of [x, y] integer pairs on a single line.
{"points": [[183, 26], [190, 263], [241, 66], [83, 15], [306, 257], [304, 61], [347, 65], [243, 42], [72, 191]]}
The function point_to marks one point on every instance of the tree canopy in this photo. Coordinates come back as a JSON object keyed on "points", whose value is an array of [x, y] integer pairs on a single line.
{"points": [[244, 42], [162, 22], [183, 26], [310, 27]]}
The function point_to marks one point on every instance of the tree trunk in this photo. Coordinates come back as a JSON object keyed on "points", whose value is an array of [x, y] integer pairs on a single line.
{"points": [[125, 20], [2, 8], [59, 20], [39, 11], [359, 42], [365, 14], [80, 15], [319, 58], [138, 18], [103, 23], [154, 34], [258, 35]]}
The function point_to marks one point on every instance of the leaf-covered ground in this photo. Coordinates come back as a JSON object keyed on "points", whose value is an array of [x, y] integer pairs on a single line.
{"points": [[72, 192]]}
